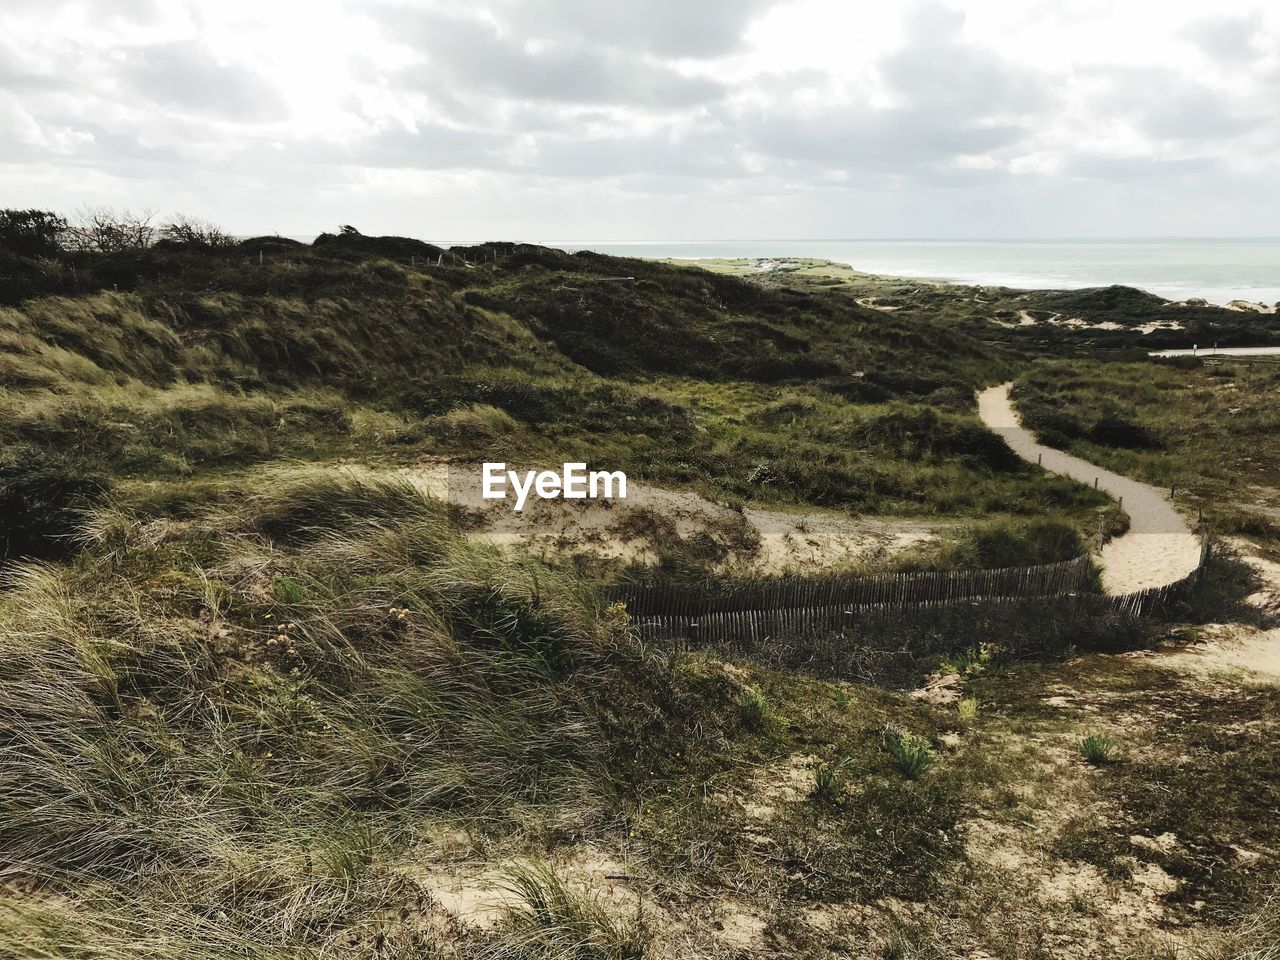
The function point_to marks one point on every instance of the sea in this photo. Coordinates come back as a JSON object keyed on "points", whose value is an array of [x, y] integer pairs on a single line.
{"points": [[1216, 270]]}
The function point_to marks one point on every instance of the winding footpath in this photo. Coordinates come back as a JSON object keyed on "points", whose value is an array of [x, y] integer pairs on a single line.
{"points": [[1159, 548]]}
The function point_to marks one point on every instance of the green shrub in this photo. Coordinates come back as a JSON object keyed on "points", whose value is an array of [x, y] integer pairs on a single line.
{"points": [[912, 755], [1097, 748], [289, 592]]}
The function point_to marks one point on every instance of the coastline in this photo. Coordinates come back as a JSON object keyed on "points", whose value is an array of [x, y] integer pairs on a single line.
{"points": [[817, 267], [1218, 271]]}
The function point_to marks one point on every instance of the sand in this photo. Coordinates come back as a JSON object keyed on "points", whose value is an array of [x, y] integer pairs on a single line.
{"points": [[1159, 548]]}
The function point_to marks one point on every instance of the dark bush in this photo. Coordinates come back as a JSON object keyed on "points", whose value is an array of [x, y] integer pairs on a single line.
{"points": [[356, 245], [1119, 432], [32, 233], [1052, 428], [40, 500]]}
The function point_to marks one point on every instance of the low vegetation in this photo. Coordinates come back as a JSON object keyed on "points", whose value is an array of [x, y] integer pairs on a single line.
{"points": [[265, 698], [1207, 432]]}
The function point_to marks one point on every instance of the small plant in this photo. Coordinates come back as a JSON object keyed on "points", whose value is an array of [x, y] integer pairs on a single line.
{"points": [[753, 709], [828, 782], [911, 754], [1097, 749], [289, 591], [843, 700], [968, 709], [968, 662]]}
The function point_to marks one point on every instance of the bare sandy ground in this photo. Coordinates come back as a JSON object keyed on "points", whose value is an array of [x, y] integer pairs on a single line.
{"points": [[789, 540], [1159, 548], [1239, 649]]}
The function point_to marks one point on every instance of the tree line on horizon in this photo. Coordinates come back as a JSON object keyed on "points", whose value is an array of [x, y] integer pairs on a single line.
{"points": [[43, 252]]}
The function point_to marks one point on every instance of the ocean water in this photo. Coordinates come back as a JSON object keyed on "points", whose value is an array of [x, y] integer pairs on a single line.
{"points": [[1217, 270]]}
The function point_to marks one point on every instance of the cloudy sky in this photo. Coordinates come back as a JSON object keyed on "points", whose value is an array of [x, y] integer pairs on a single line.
{"points": [[664, 119]]}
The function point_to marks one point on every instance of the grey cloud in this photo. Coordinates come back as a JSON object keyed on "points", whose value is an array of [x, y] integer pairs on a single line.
{"points": [[670, 28], [1104, 167], [956, 99], [185, 76], [15, 75], [121, 11], [860, 138], [470, 56], [1170, 107], [702, 155], [937, 69], [1226, 39], [430, 146]]}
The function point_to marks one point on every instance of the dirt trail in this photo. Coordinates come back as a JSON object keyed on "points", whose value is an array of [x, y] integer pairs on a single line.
{"points": [[1159, 547]]}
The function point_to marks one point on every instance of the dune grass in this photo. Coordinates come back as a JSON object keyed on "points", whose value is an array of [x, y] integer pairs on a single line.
{"points": [[230, 721]]}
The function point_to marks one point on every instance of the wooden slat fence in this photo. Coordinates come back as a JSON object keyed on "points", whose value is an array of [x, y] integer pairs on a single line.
{"points": [[1144, 603], [756, 611], [778, 593]]}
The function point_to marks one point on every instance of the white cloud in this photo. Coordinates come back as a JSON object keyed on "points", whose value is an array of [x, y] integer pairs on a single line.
{"points": [[669, 118]]}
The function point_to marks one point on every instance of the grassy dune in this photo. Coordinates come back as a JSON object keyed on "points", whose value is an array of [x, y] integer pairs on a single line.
{"points": [[255, 706], [204, 362]]}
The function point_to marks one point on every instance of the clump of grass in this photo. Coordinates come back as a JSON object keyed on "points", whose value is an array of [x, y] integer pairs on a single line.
{"points": [[753, 709], [1097, 748], [828, 782], [968, 709], [551, 920], [912, 755]]}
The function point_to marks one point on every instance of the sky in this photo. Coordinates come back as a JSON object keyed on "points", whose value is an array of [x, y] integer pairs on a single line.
{"points": [[580, 120]]}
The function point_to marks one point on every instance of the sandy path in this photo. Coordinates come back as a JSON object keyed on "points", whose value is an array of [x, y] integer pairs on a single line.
{"points": [[1159, 547]]}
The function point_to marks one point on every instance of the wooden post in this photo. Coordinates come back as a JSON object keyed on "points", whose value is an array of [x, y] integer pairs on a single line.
{"points": [[260, 258], [1039, 459], [1095, 483]]}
